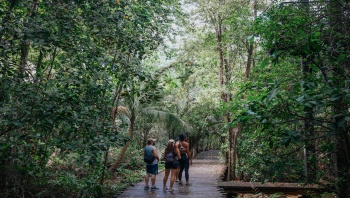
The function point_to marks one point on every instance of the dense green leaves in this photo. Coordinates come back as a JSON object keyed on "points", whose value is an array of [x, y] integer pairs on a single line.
{"points": [[60, 68], [65, 65], [291, 109]]}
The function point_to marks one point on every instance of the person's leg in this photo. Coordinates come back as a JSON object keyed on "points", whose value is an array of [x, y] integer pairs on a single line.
{"points": [[177, 174], [165, 179], [187, 166], [173, 176], [153, 176], [153, 180], [147, 178], [182, 166]]}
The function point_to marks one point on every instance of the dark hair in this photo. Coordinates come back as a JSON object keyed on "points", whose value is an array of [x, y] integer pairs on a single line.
{"points": [[182, 137]]}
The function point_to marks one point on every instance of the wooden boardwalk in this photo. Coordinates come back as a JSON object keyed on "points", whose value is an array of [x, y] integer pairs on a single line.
{"points": [[204, 174]]}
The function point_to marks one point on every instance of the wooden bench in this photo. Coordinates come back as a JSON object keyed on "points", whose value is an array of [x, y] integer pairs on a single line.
{"points": [[232, 188]]}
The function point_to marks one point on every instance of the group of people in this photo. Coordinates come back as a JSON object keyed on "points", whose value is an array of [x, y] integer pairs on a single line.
{"points": [[177, 160]]}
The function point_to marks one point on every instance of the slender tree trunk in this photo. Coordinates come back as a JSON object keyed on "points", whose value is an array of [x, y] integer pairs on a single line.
{"points": [[249, 61], [104, 166], [115, 102], [24, 57], [232, 132], [232, 150], [231, 155], [38, 72], [342, 165], [40, 60], [224, 69], [310, 163], [120, 158], [342, 153], [251, 46], [25, 43], [309, 131], [221, 60], [52, 63]]}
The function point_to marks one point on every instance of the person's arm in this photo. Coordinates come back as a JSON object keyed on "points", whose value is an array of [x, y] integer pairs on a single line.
{"points": [[177, 150], [188, 153], [163, 156], [155, 153]]}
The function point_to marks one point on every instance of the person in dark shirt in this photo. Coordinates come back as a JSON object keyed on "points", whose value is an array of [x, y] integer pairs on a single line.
{"points": [[151, 169], [186, 159]]}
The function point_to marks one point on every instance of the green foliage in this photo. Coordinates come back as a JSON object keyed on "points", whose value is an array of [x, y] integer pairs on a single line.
{"points": [[65, 64], [296, 101], [60, 68]]}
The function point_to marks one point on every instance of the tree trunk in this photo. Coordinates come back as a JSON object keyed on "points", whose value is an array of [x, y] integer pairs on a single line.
{"points": [[125, 147], [231, 174], [221, 60], [251, 46], [231, 154], [249, 61], [309, 131], [26, 44], [38, 72], [24, 57], [310, 163], [342, 165]]}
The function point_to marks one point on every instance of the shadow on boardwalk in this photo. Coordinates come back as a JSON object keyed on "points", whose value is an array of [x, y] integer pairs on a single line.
{"points": [[204, 176]]}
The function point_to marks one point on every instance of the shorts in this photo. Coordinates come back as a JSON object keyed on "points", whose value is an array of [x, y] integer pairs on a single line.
{"points": [[152, 169], [171, 165]]}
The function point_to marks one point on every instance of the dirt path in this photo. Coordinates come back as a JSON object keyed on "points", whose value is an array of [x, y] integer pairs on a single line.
{"points": [[204, 175]]}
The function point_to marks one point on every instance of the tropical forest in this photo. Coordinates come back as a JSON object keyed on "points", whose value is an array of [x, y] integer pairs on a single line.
{"points": [[85, 83]]}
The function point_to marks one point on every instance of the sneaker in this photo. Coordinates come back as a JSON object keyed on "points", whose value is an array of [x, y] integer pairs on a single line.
{"points": [[171, 190], [146, 188], [165, 188], [153, 188]]}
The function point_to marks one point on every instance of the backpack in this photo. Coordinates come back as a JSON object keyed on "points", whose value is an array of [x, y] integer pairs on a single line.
{"points": [[148, 158], [169, 157]]}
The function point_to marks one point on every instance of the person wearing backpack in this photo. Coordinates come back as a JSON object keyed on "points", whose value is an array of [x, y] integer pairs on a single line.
{"points": [[151, 159], [186, 159], [171, 156]]}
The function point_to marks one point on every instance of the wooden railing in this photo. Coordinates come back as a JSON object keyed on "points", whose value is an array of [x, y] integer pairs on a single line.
{"points": [[233, 188]]}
